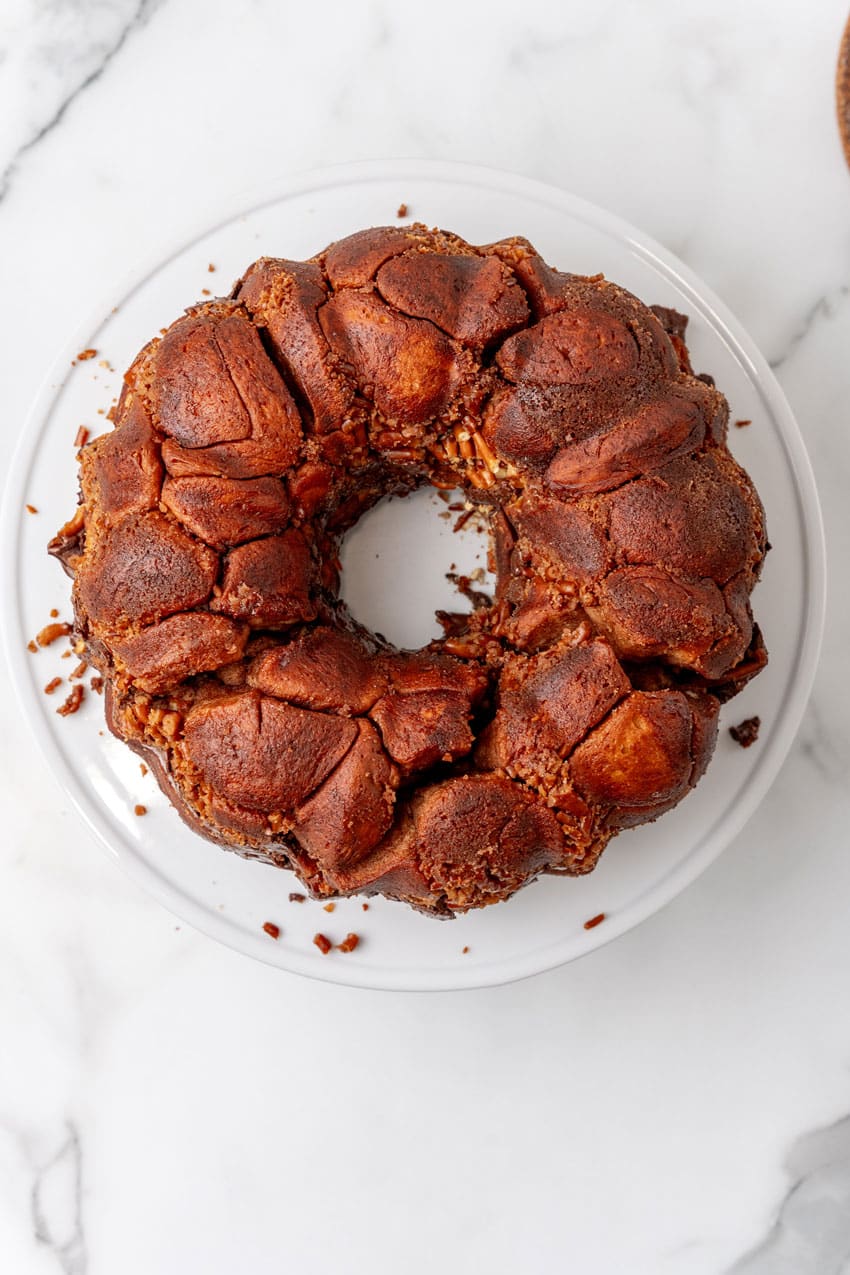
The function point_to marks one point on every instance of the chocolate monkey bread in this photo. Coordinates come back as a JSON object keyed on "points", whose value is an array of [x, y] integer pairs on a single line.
{"points": [[625, 540]]}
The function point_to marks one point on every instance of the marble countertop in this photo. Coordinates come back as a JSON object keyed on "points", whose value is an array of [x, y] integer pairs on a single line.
{"points": [[676, 1102]]}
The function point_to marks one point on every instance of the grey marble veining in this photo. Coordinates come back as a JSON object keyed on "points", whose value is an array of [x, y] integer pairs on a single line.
{"points": [[811, 1234], [57, 1205], [48, 62]]}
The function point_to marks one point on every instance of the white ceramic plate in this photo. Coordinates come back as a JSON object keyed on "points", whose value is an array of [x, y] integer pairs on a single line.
{"points": [[229, 898]]}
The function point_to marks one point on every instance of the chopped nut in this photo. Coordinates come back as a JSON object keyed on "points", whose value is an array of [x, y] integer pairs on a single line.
{"points": [[464, 951], [51, 632], [53, 613], [322, 943], [330, 907], [211, 267], [746, 732], [31, 646], [72, 703], [31, 509], [271, 929], [365, 907], [140, 810], [78, 672], [143, 768], [205, 292], [594, 921], [170, 724], [86, 354], [295, 897], [52, 684], [81, 437], [96, 684], [401, 211], [349, 943], [742, 424]]}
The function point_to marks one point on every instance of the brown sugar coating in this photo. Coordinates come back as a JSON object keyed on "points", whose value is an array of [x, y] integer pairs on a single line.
{"points": [[582, 699]]}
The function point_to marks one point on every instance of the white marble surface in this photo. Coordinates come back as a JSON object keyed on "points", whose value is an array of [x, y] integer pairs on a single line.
{"points": [[680, 1100]]}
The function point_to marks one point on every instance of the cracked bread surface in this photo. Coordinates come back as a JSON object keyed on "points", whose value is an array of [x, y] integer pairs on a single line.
{"points": [[626, 541]]}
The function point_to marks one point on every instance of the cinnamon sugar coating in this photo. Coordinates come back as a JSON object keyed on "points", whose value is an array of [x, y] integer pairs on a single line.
{"points": [[626, 543]]}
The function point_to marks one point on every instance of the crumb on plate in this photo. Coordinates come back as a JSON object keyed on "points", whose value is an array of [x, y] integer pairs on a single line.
{"points": [[746, 732], [72, 703], [51, 632]]}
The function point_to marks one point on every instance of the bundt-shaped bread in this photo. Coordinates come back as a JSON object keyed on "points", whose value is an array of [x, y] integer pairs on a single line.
{"points": [[625, 540]]}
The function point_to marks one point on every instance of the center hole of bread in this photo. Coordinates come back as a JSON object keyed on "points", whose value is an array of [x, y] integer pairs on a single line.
{"points": [[396, 562]]}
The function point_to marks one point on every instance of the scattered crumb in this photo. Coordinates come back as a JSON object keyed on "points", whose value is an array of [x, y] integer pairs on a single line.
{"points": [[365, 907], [72, 703], [322, 943], [211, 268], [66, 655], [143, 768], [464, 951], [81, 437], [53, 613], [140, 810], [105, 363], [52, 684], [97, 685], [205, 292], [742, 424], [86, 354], [295, 897], [51, 632], [349, 943], [401, 211], [31, 509], [462, 520], [31, 646], [330, 907], [78, 672], [271, 929], [594, 921], [746, 732]]}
